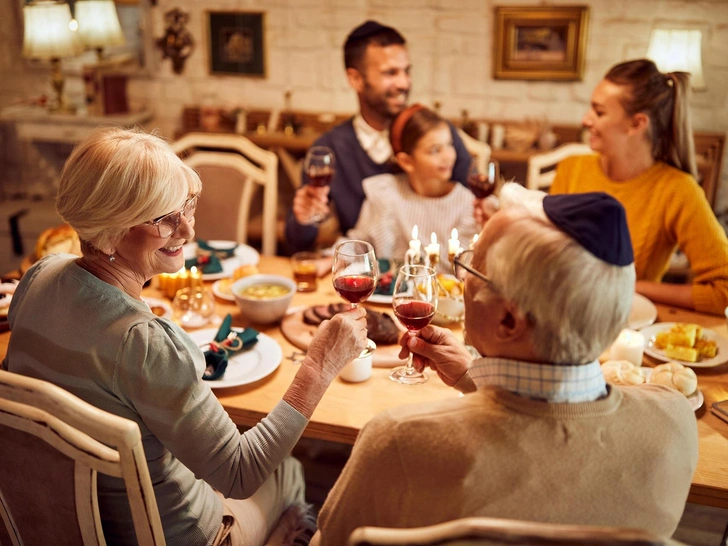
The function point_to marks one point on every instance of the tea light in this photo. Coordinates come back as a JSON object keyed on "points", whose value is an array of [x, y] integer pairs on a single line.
{"points": [[629, 346], [433, 251]]}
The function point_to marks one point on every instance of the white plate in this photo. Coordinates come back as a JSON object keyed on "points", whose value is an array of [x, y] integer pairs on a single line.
{"points": [[720, 358], [696, 399], [156, 302], [216, 289], [243, 255], [643, 313], [382, 299], [248, 366]]}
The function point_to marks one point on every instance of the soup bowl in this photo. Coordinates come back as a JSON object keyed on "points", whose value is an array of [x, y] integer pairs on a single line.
{"points": [[263, 299]]}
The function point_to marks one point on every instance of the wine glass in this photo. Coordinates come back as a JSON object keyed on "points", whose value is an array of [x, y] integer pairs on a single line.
{"points": [[320, 166], [354, 271], [483, 184], [414, 302]]}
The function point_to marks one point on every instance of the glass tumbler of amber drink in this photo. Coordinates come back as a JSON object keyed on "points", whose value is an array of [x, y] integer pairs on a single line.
{"points": [[305, 270]]}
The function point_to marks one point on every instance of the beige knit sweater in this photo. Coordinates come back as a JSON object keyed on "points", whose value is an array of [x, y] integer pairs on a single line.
{"points": [[625, 460]]}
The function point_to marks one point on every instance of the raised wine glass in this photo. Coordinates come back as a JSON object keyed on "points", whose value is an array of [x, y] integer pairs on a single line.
{"points": [[414, 302], [483, 184], [320, 167], [354, 271]]}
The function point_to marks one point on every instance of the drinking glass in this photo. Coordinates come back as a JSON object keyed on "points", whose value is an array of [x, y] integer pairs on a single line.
{"points": [[193, 307], [305, 270], [320, 166], [483, 184], [414, 302], [354, 271]]}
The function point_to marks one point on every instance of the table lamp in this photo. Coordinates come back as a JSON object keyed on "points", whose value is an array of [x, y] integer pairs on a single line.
{"points": [[98, 25], [48, 37]]}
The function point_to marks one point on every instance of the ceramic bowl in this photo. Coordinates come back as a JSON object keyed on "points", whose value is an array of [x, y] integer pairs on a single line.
{"points": [[267, 310]]}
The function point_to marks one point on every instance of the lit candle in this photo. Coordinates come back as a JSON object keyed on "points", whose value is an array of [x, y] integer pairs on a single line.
{"points": [[433, 251], [629, 346], [196, 276], [475, 240], [453, 243], [415, 244]]}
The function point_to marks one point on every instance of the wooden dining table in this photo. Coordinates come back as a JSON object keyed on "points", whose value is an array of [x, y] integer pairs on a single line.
{"points": [[347, 407]]}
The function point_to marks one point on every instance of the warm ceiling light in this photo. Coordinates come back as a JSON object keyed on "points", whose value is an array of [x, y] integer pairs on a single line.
{"points": [[678, 50]]}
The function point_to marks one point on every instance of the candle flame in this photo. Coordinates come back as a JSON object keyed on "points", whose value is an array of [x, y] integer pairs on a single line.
{"points": [[414, 232], [193, 270], [433, 238], [475, 238], [454, 234]]}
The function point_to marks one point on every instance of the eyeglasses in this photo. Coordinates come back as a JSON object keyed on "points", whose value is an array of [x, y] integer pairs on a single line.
{"points": [[463, 265], [166, 225]]}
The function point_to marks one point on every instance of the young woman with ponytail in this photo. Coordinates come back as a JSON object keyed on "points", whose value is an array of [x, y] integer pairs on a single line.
{"points": [[639, 125]]}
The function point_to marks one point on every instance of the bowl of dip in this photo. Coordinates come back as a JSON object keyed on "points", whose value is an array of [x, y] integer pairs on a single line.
{"points": [[263, 299]]}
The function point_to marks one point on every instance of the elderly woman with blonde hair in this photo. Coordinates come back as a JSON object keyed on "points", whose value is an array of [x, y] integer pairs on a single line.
{"points": [[80, 323]]}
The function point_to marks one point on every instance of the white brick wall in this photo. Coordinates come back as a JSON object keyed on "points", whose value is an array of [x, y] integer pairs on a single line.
{"points": [[450, 43]]}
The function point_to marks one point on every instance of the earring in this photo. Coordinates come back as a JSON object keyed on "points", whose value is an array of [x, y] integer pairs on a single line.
{"points": [[112, 257]]}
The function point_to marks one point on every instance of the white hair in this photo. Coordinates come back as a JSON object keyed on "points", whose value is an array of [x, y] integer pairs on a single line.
{"points": [[577, 302], [116, 179]]}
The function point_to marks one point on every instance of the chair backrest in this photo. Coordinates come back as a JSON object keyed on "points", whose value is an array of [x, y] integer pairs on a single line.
{"points": [[232, 169], [494, 531], [537, 178], [480, 151], [52, 444]]}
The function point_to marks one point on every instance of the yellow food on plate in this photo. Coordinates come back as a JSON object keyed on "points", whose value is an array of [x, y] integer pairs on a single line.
{"points": [[449, 284], [245, 271], [676, 376], [685, 342]]}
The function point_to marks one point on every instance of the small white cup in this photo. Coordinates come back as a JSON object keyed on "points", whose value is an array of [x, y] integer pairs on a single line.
{"points": [[359, 369]]}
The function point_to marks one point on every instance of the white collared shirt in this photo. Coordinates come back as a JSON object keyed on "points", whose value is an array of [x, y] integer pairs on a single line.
{"points": [[549, 382], [374, 143]]}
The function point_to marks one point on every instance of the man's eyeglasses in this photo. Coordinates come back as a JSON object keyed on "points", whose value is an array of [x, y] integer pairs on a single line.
{"points": [[166, 225], [463, 265]]}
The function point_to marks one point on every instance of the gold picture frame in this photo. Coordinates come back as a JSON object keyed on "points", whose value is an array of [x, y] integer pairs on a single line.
{"points": [[540, 43]]}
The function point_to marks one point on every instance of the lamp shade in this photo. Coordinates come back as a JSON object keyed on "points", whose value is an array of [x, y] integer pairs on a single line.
{"points": [[678, 50], [98, 23], [47, 34]]}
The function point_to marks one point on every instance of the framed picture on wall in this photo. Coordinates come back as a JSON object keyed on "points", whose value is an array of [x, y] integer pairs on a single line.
{"points": [[237, 43], [540, 43]]}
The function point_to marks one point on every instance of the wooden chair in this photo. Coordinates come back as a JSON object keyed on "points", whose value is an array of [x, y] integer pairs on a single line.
{"points": [[232, 169], [537, 178], [480, 151], [52, 444], [494, 531]]}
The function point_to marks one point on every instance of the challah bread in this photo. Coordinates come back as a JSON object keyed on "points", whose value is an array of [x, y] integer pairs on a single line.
{"points": [[622, 372], [59, 239], [676, 376]]}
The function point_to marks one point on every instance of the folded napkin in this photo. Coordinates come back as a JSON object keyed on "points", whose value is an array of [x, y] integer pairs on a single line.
{"points": [[385, 282], [224, 345], [208, 257]]}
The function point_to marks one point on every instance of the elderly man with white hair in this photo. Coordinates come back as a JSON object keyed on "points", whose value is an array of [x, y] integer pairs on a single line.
{"points": [[539, 435]]}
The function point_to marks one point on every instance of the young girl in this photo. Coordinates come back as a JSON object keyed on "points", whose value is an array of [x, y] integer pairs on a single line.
{"points": [[423, 194]]}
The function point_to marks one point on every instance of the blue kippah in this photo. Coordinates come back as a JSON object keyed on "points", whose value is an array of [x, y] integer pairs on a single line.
{"points": [[365, 30], [596, 221]]}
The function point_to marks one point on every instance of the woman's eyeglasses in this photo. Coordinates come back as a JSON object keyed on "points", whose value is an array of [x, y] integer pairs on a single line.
{"points": [[166, 225], [464, 265]]}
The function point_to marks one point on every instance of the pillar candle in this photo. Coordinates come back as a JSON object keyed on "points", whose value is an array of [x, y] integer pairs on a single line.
{"points": [[629, 346]]}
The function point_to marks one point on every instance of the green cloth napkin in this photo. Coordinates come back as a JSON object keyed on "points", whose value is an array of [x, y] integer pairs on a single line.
{"points": [[208, 257], [385, 282], [216, 357]]}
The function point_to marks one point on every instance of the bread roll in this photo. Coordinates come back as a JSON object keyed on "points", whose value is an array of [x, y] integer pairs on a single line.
{"points": [[622, 372], [59, 239], [676, 376]]}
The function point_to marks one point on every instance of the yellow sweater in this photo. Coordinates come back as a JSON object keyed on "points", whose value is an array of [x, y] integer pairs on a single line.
{"points": [[666, 209]]}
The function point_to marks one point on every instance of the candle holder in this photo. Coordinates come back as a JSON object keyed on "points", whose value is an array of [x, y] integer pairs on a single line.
{"points": [[412, 257], [433, 258], [170, 283]]}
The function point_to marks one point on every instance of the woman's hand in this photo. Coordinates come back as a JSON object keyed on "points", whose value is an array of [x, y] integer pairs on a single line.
{"points": [[438, 349], [483, 209], [337, 342], [310, 204]]}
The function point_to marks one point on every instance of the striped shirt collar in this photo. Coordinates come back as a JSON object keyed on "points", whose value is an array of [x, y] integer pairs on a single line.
{"points": [[374, 143], [552, 383]]}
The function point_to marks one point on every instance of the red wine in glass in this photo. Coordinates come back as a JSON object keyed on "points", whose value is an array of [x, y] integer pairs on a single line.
{"points": [[415, 315], [483, 184], [320, 178], [354, 288]]}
